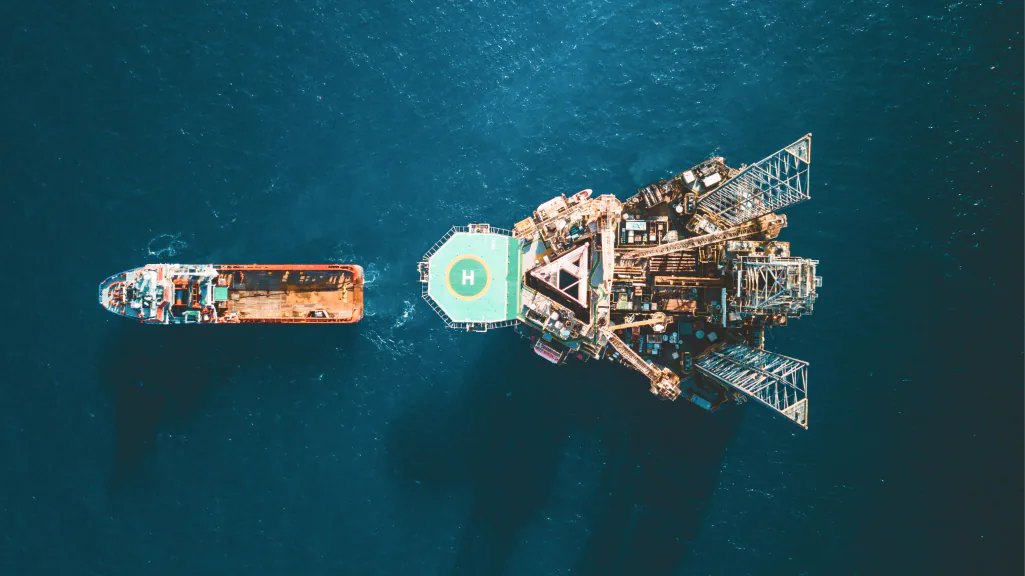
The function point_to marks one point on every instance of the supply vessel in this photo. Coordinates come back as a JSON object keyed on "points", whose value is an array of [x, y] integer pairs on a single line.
{"points": [[679, 282], [237, 293]]}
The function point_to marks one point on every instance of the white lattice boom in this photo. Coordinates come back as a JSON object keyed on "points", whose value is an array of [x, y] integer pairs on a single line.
{"points": [[771, 184], [777, 381]]}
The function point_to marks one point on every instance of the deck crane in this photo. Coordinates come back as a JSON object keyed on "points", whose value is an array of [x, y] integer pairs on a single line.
{"points": [[657, 318], [610, 210], [769, 225], [664, 383]]}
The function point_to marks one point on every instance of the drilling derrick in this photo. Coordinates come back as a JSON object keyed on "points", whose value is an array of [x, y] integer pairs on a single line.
{"points": [[769, 285], [771, 184], [779, 382]]}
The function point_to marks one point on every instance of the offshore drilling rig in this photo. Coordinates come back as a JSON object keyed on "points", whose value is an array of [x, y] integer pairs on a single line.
{"points": [[678, 282]]}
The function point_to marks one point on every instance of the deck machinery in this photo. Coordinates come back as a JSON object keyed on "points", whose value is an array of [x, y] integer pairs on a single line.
{"points": [[679, 281]]}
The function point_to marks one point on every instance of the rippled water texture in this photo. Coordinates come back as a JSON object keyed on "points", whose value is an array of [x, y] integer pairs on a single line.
{"points": [[306, 131]]}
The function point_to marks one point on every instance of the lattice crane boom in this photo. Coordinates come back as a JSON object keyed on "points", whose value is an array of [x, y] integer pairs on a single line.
{"points": [[777, 381], [770, 184]]}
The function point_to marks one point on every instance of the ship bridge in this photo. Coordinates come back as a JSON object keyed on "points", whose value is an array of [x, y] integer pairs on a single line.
{"points": [[471, 277]]}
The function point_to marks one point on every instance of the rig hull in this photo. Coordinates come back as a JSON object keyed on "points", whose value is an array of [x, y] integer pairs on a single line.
{"points": [[679, 281], [236, 294]]}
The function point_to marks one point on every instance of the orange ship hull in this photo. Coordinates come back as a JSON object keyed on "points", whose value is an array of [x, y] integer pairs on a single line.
{"points": [[237, 294]]}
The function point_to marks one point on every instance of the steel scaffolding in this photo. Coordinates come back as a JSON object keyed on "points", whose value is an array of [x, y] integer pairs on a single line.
{"points": [[769, 185], [768, 285], [779, 382]]}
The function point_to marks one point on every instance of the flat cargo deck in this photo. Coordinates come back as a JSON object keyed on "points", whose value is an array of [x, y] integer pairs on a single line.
{"points": [[289, 294]]}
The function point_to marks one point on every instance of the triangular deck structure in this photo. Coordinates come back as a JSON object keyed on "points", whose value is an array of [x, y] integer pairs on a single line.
{"points": [[567, 274], [565, 279]]}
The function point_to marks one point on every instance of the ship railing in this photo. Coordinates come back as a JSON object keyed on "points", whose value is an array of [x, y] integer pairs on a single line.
{"points": [[441, 241], [303, 320], [481, 326], [436, 308], [487, 229], [471, 229], [468, 326], [281, 267]]}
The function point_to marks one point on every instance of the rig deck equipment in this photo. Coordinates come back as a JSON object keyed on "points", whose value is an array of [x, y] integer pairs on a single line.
{"points": [[678, 282]]}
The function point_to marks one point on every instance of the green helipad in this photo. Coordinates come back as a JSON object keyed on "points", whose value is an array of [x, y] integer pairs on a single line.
{"points": [[474, 277]]}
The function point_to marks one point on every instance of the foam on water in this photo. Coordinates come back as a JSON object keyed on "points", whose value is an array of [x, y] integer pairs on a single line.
{"points": [[166, 245]]}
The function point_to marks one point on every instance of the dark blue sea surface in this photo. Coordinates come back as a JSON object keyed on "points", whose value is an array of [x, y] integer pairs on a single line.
{"points": [[308, 131]]}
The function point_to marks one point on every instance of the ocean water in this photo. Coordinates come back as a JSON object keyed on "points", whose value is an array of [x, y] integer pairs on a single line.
{"points": [[309, 131]]}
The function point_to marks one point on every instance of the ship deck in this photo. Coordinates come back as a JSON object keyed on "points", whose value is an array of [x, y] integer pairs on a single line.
{"points": [[475, 277], [274, 294]]}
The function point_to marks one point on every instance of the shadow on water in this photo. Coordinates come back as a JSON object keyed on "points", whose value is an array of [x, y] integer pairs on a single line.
{"points": [[159, 376], [663, 467], [505, 438]]}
